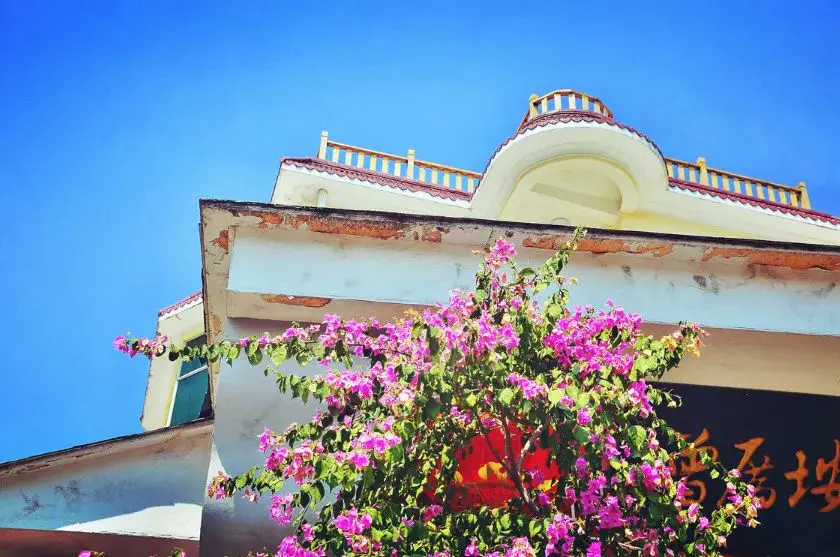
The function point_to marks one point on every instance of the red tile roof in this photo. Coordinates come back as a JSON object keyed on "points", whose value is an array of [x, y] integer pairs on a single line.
{"points": [[405, 184], [178, 305], [379, 178], [755, 202]]}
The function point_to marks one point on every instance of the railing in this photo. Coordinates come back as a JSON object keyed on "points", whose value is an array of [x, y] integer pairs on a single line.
{"points": [[408, 167], [564, 100], [699, 173], [447, 177]]}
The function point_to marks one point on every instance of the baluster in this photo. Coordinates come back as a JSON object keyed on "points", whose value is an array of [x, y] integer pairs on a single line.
{"points": [[748, 189], [446, 180], [385, 165], [703, 170], [558, 102], [736, 185], [670, 166], [434, 176], [544, 105], [771, 193], [398, 168], [421, 173], [572, 102], [335, 153], [584, 102], [804, 199], [681, 173], [360, 159], [470, 184], [409, 166], [348, 157], [458, 182], [759, 191], [322, 146], [532, 106], [372, 163]]}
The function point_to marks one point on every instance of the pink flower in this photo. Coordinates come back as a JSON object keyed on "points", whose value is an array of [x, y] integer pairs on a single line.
{"points": [[281, 509], [583, 417], [266, 440], [430, 512]]}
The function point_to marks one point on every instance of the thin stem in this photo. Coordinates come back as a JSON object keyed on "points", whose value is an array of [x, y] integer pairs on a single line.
{"points": [[513, 469]]}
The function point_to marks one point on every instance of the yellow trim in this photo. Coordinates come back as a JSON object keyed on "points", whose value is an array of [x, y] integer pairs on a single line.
{"points": [[176, 367]]}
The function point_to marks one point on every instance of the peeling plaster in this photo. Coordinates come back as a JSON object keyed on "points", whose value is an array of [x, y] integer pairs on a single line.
{"points": [[307, 301], [222, 240], [599, 245], [789, 259]]}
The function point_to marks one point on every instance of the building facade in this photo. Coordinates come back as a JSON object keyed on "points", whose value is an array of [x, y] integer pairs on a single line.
{"points": [[672, 240]]}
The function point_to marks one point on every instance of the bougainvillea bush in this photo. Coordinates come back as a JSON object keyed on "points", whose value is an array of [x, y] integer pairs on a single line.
{"points": [[491, 425]]}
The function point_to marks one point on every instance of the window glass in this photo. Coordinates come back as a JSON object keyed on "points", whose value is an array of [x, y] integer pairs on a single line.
{"points": [[191, 389], [195, 363]]}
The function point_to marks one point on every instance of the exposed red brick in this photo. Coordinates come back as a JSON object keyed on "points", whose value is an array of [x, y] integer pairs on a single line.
{"points": [[598, 246], [593, 245], [541, 242], [431, 235], [222, 240], [791, 260], [382, 230], [658, 250], [269, 219], [306, 301]]}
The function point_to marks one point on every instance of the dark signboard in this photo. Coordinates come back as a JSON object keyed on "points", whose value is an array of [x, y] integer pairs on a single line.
{"points": [[786, 444]]}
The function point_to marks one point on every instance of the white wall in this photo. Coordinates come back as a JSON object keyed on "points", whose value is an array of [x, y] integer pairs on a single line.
{"points": [[150, 485], [717, 293], [180, 327]]}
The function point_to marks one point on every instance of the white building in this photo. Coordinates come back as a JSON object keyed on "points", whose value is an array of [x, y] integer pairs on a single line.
{"points": [[671, 240]]}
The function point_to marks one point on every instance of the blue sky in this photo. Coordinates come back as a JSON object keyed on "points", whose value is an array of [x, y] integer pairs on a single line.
{"points": [[116, 117]]}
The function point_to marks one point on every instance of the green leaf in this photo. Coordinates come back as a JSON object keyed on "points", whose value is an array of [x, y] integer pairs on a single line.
{"points": [[535, 528], [506, 396], [637, 435], [279, 354], [254, 357], [554, 310], [471, 400], [582, 434], [555, 395], [431, 409]]}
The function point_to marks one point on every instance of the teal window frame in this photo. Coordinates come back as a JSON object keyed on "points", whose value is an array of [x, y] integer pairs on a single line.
{"points": [[187, 370]]}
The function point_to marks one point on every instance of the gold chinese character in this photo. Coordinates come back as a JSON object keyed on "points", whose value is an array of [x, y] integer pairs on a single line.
{"points": [[799, 476], [690, 464], [755, 473], [831, 490]]}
